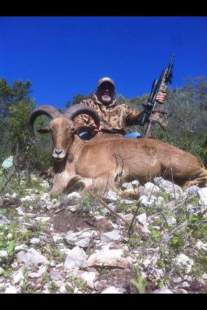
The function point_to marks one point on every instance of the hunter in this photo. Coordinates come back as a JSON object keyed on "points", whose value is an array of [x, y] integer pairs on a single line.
{"points": [[115, 116]]}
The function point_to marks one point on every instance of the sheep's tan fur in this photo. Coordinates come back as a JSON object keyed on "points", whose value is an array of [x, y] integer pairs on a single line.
{"points": [[105, 163]]}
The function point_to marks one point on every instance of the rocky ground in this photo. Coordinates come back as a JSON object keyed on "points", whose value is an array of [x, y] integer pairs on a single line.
{"points": [[155, 243]]}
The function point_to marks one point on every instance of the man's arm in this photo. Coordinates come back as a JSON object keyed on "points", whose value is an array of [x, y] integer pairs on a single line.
{"points": [[134, 116]]}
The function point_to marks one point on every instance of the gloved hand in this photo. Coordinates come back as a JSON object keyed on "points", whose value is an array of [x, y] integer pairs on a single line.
{"points": [[161, 97]]}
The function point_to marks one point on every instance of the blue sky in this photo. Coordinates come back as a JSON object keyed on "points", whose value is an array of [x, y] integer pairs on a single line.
{"points": [[64, 56]]}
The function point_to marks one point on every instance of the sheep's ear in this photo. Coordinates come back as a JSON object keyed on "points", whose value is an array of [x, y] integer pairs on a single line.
{"points": [[44, 130]]}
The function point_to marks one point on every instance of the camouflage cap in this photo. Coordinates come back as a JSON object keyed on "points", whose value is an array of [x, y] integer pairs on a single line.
{"points": [[104, 80]]}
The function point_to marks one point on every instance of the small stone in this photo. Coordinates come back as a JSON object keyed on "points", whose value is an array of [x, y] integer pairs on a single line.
{"points": [[143, 224], [201, 245], [45, 184], [112, 206], [127, 201], [55, 275], [177, 280], [20, 211], [62, 289], [89, 278], [142, 219], [39, 273], [11, 290], [163, 290], [204, 276], [113, 235], [127, 186], [14, 265], [192, 191], [135, 183], [14, 195], [21, 247], [74, 208], [57, 238], [45, 290], [52, 263], [128, 217], [1, 271], [73, 197], [171, 220], [111, 196], [113, 290], [188, 278], [185, 284], [181, 291], [202, 192], [81, 239], [171, 188], [150, 260], [42, 219], [183, 263], [150, 188], [192, 209], [35, 241], [64, 251], [76, 258], [18, 276], [3, 254], [151, 201], [8, 162], [3, 220], [31, 257], [34, 177], [155, 273], [45, 196], [27, 198]]}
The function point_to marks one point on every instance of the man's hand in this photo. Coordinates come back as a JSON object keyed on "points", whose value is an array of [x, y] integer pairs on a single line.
{"points": [[161, 97]]}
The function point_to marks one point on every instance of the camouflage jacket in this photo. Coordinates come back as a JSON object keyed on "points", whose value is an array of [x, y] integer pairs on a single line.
{"points": [[114, 116]]}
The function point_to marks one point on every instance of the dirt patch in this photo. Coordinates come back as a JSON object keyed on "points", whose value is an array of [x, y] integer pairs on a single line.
{"points": [[120, 278], [104, 225], [76, 221]]}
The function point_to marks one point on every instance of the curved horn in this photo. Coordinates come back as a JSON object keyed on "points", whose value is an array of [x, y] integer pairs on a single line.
{"points": [[78, 109], [47, 110]]}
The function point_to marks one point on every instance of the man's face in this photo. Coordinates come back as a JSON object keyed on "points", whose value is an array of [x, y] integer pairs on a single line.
{"points": [[105, 93]]}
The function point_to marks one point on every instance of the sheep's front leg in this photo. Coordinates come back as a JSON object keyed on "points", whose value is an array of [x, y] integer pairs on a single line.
{"points": [[101, 184], [60, 182]]}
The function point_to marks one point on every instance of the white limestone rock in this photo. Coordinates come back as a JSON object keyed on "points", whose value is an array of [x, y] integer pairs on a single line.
{"points": [[109, 257], [113, 290], [81, 238], [31, 257], [183, 263], [76, 258]]}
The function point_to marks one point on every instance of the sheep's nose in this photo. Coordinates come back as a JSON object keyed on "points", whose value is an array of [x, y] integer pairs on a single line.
{"points": [[58, 151]]}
